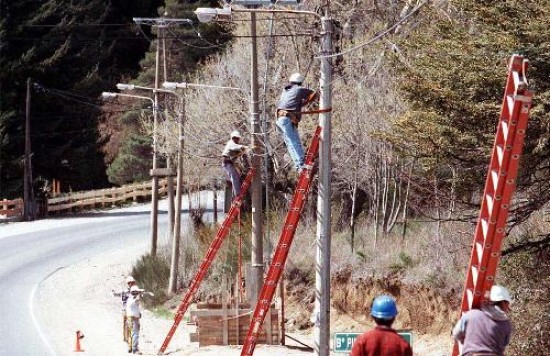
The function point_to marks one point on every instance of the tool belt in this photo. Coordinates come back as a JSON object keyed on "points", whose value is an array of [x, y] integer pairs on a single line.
{"points": [[293, 116], [226, 160]]}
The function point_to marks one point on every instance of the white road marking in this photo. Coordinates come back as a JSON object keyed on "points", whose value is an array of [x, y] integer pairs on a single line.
{"points": [[33, 316]]}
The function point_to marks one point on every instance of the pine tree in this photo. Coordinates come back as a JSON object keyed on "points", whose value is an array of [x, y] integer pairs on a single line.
{"points": [[453, 70], [73, 50], [186, 46]]}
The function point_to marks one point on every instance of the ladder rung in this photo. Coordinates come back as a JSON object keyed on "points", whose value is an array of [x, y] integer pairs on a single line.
{"points": [[510, 102], [504, 126]]}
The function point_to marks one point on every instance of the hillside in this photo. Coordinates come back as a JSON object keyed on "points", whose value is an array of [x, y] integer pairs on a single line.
{"points": [[416, 92], [415, 104]]}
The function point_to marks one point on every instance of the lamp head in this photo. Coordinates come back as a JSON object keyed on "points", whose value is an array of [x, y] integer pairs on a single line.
{"points": [[209, 14], [170, 85], [107, 95], [121, 86], [206, 14]]}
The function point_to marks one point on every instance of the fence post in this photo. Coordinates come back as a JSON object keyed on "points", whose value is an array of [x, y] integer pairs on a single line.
{"points": [[113, 196]]}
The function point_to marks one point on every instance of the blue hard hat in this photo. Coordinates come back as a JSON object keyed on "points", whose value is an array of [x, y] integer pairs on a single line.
{"points": [[384, 307]]}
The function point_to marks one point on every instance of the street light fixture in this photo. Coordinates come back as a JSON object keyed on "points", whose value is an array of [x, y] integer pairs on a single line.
{"points": [[184, 85], [209, 14], [109, 95], [175, 224]]}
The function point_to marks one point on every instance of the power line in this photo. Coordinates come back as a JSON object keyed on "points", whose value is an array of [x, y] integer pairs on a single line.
{"points": [[379, 35]]}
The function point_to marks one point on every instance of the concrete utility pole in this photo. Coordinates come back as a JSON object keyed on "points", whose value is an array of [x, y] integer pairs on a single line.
{"points": [[322, 268], [161, 23], [173, 283], [155, 182], [28, 196], [257, 212], [170, 87]]}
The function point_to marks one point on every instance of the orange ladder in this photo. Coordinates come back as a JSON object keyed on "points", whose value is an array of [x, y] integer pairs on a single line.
{"points": [[499, 187], [210, 254], [281, 253]]}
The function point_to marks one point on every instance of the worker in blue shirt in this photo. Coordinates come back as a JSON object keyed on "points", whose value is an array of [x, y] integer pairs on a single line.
{"points": [[293, 98]]}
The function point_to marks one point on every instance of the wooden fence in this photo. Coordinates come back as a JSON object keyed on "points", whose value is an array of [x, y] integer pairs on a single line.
{"points": [[101, 198], [11, 208], [104, 198]]}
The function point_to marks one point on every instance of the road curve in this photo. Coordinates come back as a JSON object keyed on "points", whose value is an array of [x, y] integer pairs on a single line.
{"points": [[29, 258], [30, 253]]}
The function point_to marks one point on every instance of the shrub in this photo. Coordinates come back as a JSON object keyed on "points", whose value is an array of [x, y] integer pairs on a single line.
{"points": [[152, 274]]}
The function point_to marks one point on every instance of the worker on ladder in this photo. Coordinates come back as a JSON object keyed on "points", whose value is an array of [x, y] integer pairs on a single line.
{"points": [[486, 331], [293, 98], [231, 153]]}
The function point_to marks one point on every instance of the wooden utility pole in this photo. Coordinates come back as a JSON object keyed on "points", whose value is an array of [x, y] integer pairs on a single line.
{"points": [[173, 283], [161, 23], [28, 196]]}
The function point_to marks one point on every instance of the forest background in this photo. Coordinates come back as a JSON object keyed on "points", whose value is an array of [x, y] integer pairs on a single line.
{"points": [[415, 106]]}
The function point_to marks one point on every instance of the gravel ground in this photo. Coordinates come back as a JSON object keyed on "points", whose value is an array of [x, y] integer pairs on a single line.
{"points": [[79, 297]]}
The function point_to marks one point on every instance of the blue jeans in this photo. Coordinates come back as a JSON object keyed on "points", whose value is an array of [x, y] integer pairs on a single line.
{"points": [[234, 176], [135, 333], [292, 141]]}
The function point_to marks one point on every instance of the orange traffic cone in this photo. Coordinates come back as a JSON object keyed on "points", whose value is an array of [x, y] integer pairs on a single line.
{"points": [[79, 336]]}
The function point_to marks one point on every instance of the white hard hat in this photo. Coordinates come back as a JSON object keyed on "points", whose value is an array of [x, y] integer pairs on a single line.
{"points": [[499, 293], [296, 78], [236, 134], [130, 279]]}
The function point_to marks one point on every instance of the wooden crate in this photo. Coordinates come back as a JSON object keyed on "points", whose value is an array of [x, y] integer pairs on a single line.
{"points": [[223, 327]]}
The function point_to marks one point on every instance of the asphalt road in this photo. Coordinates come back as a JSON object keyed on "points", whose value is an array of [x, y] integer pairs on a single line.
{"points": [[28, 258]]}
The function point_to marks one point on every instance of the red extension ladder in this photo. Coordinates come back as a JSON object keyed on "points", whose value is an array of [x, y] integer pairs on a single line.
{"points": [[499, 187], [210, 254], [285, 241]]}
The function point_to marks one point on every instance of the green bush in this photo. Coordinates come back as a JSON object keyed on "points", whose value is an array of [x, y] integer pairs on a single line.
{"points": [[133, 162], [152, 274]]}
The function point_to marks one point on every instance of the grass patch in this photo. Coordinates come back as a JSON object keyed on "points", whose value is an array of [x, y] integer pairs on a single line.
{"points": [[162, 312]]}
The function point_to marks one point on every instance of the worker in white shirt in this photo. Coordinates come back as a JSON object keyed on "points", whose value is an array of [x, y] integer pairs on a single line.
{"points": [[133, 314], [124, 295], [232, 151]]}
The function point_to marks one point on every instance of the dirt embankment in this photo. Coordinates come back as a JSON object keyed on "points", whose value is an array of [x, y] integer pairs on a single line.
{"points": [[427, 313]]}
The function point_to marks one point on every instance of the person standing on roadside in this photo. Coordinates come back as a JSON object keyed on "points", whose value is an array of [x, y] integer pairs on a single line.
{"points": [[382, 340], [133, 315], [124, 295], [486, 331], [293, 97]]}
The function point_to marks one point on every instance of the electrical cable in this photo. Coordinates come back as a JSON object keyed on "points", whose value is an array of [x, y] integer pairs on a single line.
{"points": [[378, 35]]}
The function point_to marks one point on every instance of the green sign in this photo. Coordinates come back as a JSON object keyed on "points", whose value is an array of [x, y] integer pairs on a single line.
{"points": [[343, 342]]}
